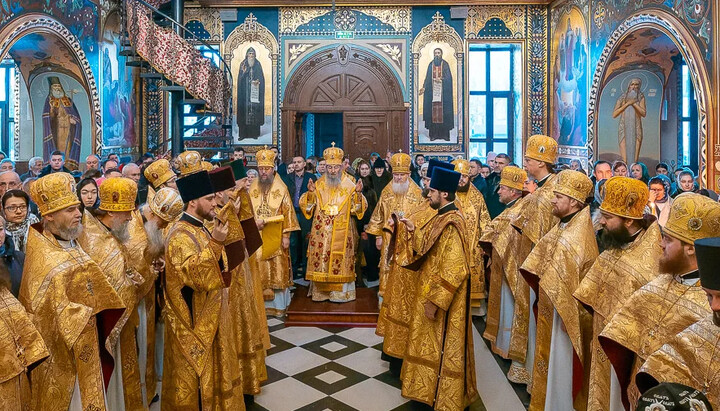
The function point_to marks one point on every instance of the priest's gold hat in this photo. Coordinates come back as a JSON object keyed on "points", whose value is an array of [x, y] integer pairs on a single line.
{"points": [[189, 162], [333, 155], [265, 158], [207, 166], [400, 163], [54, 192], [166, 204], [692, 217], [462, 166], [625, 197], [542, 148], [159, 172], [513, 177], [574, 184], [117, 194]]}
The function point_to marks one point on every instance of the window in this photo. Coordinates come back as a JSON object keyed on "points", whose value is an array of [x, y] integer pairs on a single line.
{"points": [[687, 120], [7, 107], [495, 86]]}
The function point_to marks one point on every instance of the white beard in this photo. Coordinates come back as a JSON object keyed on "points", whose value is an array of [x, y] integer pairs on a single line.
{"points": [[332, 181], [251, 62], [156, 243], [58, 94], [401, 188]]}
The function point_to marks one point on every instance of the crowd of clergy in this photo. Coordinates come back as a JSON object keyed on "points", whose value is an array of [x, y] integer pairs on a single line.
{"points": [[602, 293]]}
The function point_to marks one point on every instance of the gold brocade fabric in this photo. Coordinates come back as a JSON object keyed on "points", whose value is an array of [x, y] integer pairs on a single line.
{"points": [[692, 358], [439, 365], [559, 261], [63, 291], [538, 218], [648, 319], [331, 249], [274, 270], [472, 206], [21, 346], [200, 356], [398, 302], [111, 256], [500, 240], [614, 276], [390, 203]]}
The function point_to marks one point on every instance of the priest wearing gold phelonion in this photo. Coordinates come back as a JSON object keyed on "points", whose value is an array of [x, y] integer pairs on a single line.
{"points": [[276, 219], [331, 203], [630, 244], [105, 231], [399, 197], [58, 273], [200, 369], [159, 174], [471, 204], [554, 269], [669, 303]]}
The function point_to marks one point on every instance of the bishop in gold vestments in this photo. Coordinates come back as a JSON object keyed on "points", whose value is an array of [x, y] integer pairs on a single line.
{"points": [[692, 357], [554, 269], [102, 238], [331, 203], [200, 369], [669, 303], [471, 204], [276, 219], [629, 262], [439, 365], [58, 273]]}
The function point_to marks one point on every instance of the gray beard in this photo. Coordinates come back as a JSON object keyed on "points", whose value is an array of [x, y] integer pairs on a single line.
{"points": [[332, 181], [401, 188], [156, 243], [58, 94], [251, 62], [70, 234], [120, 231]]}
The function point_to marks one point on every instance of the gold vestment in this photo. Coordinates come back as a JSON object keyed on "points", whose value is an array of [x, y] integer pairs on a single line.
{"points": [[398, 302], [111, 256], [692, 358], [68, 299], [554, 268], [274, 268], [439, 365], [390, 203], [200, 361], [614, 276], [648, 319], [21, 347], [472, 206], [331, 249]]}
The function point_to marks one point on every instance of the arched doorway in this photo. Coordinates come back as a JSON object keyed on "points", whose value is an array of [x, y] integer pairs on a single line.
{"points": [[354, 82]]}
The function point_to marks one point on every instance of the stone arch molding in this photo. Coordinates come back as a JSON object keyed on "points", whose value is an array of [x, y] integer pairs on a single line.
{"points": [[30, 23], [673, 28]]}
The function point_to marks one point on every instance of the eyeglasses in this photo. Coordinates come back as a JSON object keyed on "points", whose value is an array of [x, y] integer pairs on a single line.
{"points": [[14, 208]]}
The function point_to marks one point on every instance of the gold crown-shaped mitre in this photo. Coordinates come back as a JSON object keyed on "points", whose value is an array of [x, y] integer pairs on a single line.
{"points": [[574, 184], [333, 155], [542, 148], [159, 172], [117, 194], [400, 163], [54, 192], [189, 162], [166, 204], [513, 177], [692, 217], [462, 166], [265, 158], [625, 197]]}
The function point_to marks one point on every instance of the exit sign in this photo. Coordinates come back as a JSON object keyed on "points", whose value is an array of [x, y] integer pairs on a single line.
{"points": [[344, 35]]}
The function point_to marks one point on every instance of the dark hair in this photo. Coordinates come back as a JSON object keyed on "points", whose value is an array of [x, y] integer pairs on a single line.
{"points": [[419, 155], [550, 168], [114, 169], [597, 163], [92, 174], [105, 162], [476, 161], [58, 153], [15, 193], [503, 155], [619, 163], [319, 159], [239, 148], [78, 190], [662, 165], [450, 196], [148, 155]]}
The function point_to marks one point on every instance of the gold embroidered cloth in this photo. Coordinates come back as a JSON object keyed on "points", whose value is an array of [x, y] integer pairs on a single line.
{"points": [[473, 208], [538, 219], [614, 276]]}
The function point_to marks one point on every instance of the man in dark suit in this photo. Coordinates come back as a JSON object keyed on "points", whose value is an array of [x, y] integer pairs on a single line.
{"points": [[492, 200], [297, 185]]}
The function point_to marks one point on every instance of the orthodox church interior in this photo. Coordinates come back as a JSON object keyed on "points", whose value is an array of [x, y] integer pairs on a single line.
{"points": [[165, 76]]}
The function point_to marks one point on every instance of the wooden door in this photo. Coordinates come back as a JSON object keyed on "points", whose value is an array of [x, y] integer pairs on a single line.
{"points": [[365, 132]]}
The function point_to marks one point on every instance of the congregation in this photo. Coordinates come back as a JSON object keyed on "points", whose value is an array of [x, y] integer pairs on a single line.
{"points": [[600, 287]]}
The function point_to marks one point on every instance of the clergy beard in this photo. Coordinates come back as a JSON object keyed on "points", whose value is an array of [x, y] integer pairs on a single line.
{"points": [[464, 189], [716, 318], [434, 205], [437, 60], [332, 181], [155, 245], [251, 61], [58, 94], [401, 188], [673, 264], [614, 239], [265, 183], [68, 234], [120, 230], [426, 192]]}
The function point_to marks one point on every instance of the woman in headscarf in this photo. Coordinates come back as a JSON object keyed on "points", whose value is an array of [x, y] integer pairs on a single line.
{"points": [[639, 171], [380, 176], [660, 200], [18, 218], [367, 241]]}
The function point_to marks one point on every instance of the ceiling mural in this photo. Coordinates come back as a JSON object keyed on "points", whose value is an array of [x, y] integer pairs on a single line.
{"points": [[642, 47], [38, 53]]}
